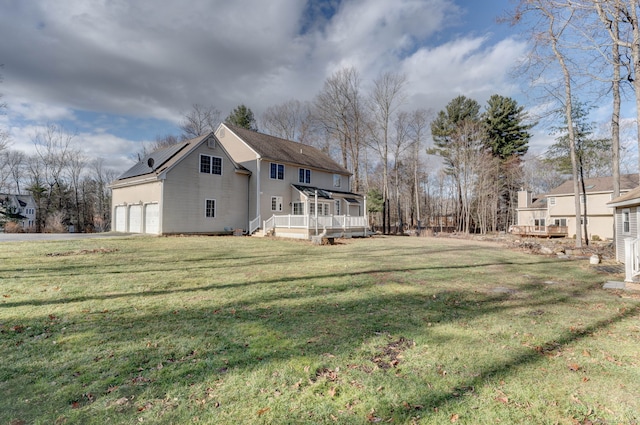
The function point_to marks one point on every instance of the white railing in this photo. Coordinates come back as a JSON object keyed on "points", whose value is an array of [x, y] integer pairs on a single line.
{"points": [[254, 224], [631, 259], [309, 222]]}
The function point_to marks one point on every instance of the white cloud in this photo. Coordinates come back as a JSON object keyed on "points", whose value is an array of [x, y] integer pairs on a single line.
{"points": [[466, 66], [117, 59]]}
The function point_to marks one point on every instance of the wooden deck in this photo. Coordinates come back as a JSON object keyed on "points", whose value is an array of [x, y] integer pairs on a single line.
{"points": [[540, 231]]}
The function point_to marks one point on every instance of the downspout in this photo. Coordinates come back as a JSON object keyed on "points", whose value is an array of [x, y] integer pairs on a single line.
{"points": [[258, 162], [366, 214], [316, 210], [249, 204]]}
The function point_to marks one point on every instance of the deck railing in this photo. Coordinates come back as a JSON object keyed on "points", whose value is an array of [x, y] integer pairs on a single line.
{"points": [[544, 231], [254, 224], [329, 222], [631, 259]]}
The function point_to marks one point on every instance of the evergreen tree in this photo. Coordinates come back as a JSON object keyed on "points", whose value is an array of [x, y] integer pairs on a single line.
{"points": [[507, 134], [242, 116], [593, 154]]}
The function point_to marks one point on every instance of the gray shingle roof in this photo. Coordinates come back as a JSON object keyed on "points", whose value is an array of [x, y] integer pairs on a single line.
{"points": [[281, 150], [597, 184]]}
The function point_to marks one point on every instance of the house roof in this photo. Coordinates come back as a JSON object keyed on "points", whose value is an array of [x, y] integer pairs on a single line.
{"points": [[154, 160], [161, 160], [630, 198], [282, 150], [597, 184]]}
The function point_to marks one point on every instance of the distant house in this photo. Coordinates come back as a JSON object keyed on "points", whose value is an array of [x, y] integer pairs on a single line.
{"points": [[553, 214], [241, 181], [18, 208]]}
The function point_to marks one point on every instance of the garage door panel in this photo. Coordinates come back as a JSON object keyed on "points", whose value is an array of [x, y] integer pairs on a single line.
{"points": [[121, 219], [135, 219], [152, 219]]}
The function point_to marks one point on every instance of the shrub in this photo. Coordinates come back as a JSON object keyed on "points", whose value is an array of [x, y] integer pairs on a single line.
{"points": [[54, 223], [13, 227], [595, 238]]}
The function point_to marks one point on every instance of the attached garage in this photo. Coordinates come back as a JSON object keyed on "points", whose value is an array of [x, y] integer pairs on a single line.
{"points": [[152, 219], [121, 218], [135, 218]]}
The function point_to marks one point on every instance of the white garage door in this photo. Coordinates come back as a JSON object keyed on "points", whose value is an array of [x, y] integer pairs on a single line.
{"points": [[121, 219], [152, 219], [135, 219]]}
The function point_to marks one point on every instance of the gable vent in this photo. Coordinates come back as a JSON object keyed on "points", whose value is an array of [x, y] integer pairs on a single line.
{"points": [[211, 143]]}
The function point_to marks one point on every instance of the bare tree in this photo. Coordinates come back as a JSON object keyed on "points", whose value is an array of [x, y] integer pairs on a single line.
{"points": [[556, 19], [76, 165], [386, 97], [339, 111], [418, 127], [291, 120], [53, 148], [200, 120]]}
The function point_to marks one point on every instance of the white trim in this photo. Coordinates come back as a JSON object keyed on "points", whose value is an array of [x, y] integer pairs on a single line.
{"points": [[215, 207], [210, 164]]}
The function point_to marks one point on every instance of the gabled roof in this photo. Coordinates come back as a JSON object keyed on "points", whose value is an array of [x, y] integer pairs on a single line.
{"points": [[630, 198], [282, 150], [162, 160], [153, 161], [597, 184]]}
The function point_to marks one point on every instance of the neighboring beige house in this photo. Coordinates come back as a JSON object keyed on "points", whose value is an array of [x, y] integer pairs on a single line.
{"points": [[238, 180], [555, 211], [18, 208]]}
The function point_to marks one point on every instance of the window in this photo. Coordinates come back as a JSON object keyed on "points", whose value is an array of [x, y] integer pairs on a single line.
{"points": [[304, 176], [582, 199], [298, 208], [552, 201], [277, 171], [210, 164], [210, 208], [337, 180], [560, 222], [626, 215], [539, 222], [336, 210], [276, 203], [323, 208], [582, 221]]}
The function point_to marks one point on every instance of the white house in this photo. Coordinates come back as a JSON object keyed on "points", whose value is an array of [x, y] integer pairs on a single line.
{"points": [[238, 180], [18, 208]]}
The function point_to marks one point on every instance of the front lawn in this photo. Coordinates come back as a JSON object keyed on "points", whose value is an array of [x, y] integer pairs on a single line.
{"points": [[229, 330]]}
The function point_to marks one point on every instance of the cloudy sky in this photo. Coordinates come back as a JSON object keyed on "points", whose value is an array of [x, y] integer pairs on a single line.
{"points": [[120, 72]]}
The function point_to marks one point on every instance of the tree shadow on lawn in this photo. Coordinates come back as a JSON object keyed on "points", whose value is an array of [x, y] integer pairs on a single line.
{"points": [[248, 284], [198, 346]]}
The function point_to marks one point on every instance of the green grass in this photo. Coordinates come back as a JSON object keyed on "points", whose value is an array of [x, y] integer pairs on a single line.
{"points": [[227, 330]]}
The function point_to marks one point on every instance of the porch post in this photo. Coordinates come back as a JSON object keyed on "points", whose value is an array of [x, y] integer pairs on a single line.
{"points": [[316, 212]]}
